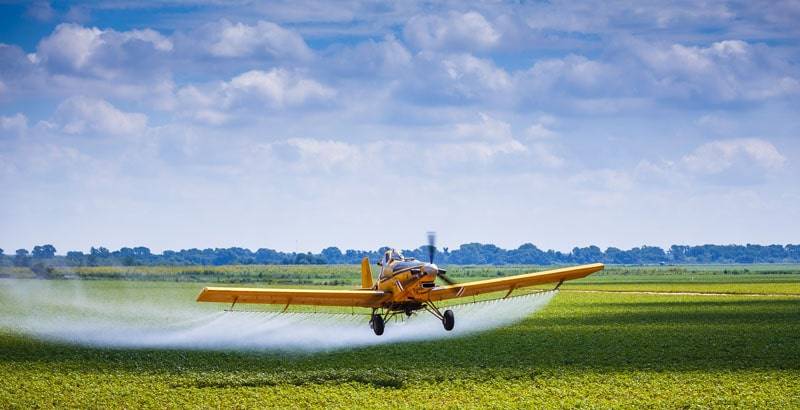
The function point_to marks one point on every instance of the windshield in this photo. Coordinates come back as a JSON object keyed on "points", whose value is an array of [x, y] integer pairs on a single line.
{"points": [[396, 256]]}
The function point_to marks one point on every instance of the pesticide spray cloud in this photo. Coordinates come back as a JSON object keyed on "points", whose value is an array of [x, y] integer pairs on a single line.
{"points": [[68, 314]]}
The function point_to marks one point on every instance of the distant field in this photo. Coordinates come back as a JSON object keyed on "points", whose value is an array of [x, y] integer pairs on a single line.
{"points": [[348, 275], [583, 350]]}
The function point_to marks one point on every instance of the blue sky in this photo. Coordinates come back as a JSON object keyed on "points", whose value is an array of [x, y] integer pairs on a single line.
{"points": [[301, 124]]}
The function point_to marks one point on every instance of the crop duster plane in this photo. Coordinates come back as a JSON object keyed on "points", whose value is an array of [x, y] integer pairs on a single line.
{"points": [[405, 285]]}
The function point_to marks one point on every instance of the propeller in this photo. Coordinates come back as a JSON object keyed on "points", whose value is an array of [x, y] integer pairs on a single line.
{"points": [[446, 280], [431, 253], [431, 246]]}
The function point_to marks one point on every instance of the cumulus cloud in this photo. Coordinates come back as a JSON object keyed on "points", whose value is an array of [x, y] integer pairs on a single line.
{"points": [[41, 11], [457, 77], [253, 90], [488, 128], [86, 115], [278, 87], [573, 74], [13, 125], [455, 31], [386, 57], [74, 49], [490, 138], [15, 67], [736, 161], [310, 153], [724, 71], [541, 129], [719, 156], [226, 39]]}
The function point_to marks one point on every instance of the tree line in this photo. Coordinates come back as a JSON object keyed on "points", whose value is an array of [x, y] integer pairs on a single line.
{"points": [[466, 254]]}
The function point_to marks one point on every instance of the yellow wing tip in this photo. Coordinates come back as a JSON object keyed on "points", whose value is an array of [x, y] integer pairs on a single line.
{"points": [[201, 295]]}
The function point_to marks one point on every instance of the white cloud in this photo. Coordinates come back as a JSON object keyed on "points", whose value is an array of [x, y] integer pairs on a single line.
{"points": [[545, 156], [488, 128], [466, 69], [215, 104], [83, 115], [490, 138], [602, 180], [15, 124], [388, 57], [69, 44], [540, 131], [75, 49], [264, 38], [455, 31], [458, 77], [278, 87], [573, 74], [41, 11], [719, 156], [728, 162], [728, 70], [325, 154]]}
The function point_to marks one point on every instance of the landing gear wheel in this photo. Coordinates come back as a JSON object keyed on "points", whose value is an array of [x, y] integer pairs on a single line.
{"points": [[376, 323], [448, 320]]}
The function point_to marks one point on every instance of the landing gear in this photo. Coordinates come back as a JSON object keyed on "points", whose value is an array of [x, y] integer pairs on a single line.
{"points": [[376, 323], [448, 320]]}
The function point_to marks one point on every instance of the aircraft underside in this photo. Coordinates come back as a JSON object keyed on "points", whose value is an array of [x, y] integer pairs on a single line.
{"points": [[380, 316]]}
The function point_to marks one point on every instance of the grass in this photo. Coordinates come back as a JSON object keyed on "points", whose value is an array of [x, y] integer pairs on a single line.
{"points": [[588, 350]]}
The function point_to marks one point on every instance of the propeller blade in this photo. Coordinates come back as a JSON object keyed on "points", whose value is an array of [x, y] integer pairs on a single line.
{"points": [[431, 246], [445, 278]]}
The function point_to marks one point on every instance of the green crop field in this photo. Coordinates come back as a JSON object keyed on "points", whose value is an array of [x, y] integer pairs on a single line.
{"points": [[584, 349]]}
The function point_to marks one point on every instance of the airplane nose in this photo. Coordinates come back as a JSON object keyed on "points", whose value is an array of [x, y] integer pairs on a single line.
{"points": [[430, 269]]}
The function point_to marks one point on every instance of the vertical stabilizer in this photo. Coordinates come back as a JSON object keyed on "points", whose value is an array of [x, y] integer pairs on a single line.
{"points": [[366, 274]]}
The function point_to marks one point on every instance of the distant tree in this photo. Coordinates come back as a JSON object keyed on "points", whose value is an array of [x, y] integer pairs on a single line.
{"points": [[128, 260], [21, 258], [618, 256], [792, 253], [99, 253], [43, 252], [678, 253], [91, 260], [588, 254], [75, 258], [332, 255], [141, 252]]}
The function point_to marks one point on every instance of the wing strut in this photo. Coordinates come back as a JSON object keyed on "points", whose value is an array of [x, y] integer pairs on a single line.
{"points": [[236, 299], [509, 292], [559, 284]]}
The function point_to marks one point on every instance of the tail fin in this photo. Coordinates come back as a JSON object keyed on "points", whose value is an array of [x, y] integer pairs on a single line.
{"points": [[366, 274]]}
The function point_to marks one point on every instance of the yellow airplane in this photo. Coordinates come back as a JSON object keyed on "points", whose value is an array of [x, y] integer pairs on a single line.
{"points": [[404, 286]]}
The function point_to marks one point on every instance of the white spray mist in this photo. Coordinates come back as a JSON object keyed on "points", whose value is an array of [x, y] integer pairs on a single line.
{"points": [[74, 317]]}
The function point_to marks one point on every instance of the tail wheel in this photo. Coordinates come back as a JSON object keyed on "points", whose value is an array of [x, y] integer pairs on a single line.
{"points": [[377, 324], [448, 320]]}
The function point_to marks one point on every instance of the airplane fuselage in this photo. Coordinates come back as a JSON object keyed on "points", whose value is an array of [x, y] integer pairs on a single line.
{"points": [[409, 282]]}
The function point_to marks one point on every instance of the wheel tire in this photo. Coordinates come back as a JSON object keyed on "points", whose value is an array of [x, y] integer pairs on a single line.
{"points": [[449, 320], [377, 324]]}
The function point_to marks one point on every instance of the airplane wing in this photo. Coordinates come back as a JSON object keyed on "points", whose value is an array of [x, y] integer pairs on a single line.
{"points": [[513, 282], [357, 298]]}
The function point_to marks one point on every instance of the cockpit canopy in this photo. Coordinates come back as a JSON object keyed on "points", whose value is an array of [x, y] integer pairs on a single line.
{"points": [[391, 255], [395, 255]]}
